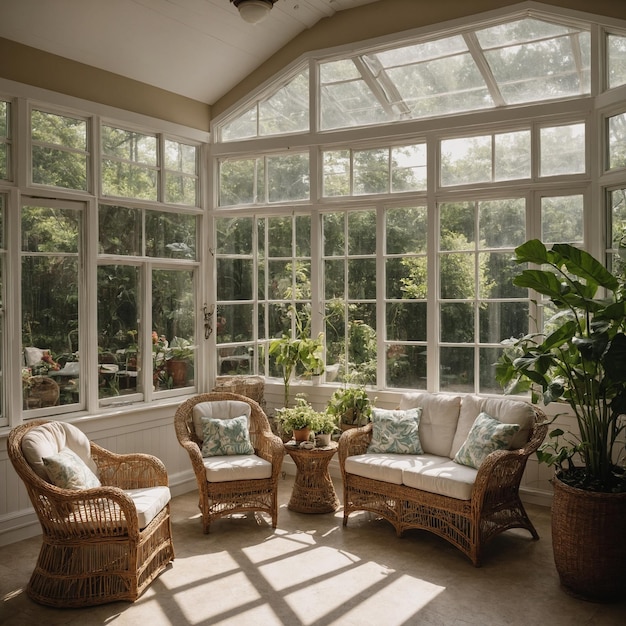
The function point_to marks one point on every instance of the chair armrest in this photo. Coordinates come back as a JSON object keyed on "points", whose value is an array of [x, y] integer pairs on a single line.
{"points": [[99, 512], [271, 448], [128, 471], [352, 442]]}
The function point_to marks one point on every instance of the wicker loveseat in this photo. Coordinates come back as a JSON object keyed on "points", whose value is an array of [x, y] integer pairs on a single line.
{"points": [[430, 491]]}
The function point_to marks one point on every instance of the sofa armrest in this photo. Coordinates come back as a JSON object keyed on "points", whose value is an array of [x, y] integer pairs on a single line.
{"points": [[352, 442], [501, 472]]}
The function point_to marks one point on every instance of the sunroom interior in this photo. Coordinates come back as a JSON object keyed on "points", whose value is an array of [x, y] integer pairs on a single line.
{"points": [[368, 184]]}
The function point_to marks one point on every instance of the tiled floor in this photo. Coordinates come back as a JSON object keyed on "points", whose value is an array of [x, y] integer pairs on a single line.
{"points": [[311, 571]]}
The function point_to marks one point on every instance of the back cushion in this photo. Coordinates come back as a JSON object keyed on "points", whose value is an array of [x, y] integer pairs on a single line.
{"points": [[504, 409], [49, 439], [438, 424], [220, 409]]}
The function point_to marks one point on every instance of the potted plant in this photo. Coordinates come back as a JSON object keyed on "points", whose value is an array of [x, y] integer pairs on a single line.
{"points": [[179, 354], [351, 406], [324, 425], [580, 360], [299, 419], [301, 351]]}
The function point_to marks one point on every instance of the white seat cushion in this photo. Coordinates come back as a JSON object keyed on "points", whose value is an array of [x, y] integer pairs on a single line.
{"points": [[149, 502], [389, 467], [447, 479], [236, 467]]}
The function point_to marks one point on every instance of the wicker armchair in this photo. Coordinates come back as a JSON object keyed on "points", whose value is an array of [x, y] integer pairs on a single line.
{"points": [[102, 544], [247, 491]]}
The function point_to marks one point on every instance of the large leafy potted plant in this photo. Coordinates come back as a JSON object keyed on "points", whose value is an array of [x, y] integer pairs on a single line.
{"points": [[580, 360], [351, 405], [299, 419]]}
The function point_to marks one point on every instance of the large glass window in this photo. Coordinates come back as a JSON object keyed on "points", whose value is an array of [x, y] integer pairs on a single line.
{"points": [[3, 360], [145, 346]]}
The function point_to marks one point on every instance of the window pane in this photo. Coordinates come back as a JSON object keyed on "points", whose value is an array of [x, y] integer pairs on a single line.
{"points": [[173, 340], [280, 237], [616, 56], [406, 230], [120, 230], [562, 219], [457, 226], [170, 235], [465, 161], [241, 181], [501, 320], [234, 235], [235, 282], [406, 366], [457, 322], [512, 155], [336, 167], [406, 321], [456, 371], [562, 150], [46, 229], [59, 151], [408, 168], [119, 354], [371, 171], [288, 177], [617, 141], [333, 225], [362, 279], [362, 232], [129, 164], [502, 223], [181, 174], [286, 111]]}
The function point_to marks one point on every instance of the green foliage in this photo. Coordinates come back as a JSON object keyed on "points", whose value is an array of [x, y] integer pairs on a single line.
{"points": [[324, 423], [581, 360], [299, 350], [301, 415], [351, 405]]}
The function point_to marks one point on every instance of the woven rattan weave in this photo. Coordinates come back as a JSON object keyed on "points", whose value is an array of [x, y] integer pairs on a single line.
{"points": [[494, 507], [217, 499], [93, 551], [313, 490]]}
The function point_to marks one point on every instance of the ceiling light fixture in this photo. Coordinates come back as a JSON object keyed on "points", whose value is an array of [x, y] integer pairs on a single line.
{"points": [[254, 11]]}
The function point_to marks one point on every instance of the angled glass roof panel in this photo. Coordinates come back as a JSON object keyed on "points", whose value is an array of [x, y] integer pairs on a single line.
{"points": [[442, 86], [287, 111], [533, 60]]}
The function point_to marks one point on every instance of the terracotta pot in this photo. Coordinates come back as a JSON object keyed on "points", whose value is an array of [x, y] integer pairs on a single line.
{"points": [[301, 434], [589, 542], [178, 371]]}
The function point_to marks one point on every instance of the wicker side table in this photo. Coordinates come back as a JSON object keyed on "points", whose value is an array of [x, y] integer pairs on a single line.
{"points": [[313, 490]]}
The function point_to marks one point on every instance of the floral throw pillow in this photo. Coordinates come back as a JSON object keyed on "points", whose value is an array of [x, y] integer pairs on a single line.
{"points": [[68, 471], [396, 431], [225, 437], [486, 435]]}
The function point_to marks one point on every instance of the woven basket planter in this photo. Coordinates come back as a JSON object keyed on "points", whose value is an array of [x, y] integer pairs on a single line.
{"points": [[589, 542]]}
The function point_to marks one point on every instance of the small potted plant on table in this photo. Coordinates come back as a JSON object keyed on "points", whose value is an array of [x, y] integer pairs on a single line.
{"points": [[298, 419]]}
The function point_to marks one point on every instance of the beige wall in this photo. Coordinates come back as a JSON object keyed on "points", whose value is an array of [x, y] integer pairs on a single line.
{"points": [[24, 64], [383, 18]]}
